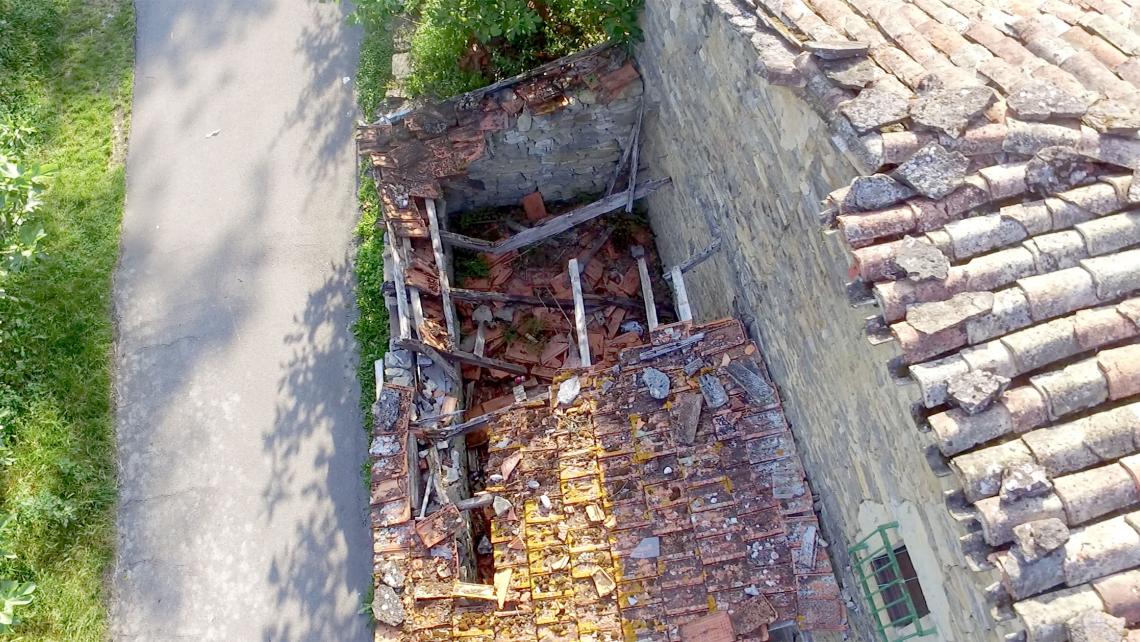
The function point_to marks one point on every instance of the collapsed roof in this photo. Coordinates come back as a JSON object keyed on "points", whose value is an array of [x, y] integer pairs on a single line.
{"points": [[658, 498]]}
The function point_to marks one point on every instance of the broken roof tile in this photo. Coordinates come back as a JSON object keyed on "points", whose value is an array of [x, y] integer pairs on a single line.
{"points": [[933, 171]]}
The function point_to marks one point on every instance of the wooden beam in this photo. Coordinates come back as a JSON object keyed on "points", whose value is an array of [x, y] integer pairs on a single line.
{"points": [[624, 156], [579, 313], [444, 281], [398, 278], [464, 357], [646, 288], [553, 226], [633, 162], [467, 242], [482, 420], [588, 254], [662, 350], [414, 292], [560, 224], [591, 300], [436, 356], [696, 259], [681, 296]]}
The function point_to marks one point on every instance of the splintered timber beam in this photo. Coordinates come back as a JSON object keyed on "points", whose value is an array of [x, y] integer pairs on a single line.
{"points": [[431, 353], [579, 314], [553, 226], [633, 162], [401, 289], [681, 295], [646, 287], [444, 281], [463, 357], [482, 420], [696, 259]]}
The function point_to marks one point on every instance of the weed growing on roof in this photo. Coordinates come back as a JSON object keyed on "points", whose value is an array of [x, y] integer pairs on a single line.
{"points": [[470, 265]]}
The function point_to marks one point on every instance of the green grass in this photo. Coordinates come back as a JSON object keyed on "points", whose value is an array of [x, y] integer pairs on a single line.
{"points": [[371, 327], [58, 472], [375, 68]]}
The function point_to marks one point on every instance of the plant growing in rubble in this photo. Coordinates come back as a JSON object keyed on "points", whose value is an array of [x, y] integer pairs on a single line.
{"points": [[460, 45]]}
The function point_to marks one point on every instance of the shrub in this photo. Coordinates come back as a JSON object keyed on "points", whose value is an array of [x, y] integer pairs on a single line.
{"points": [[462, 44], [22, 186]]}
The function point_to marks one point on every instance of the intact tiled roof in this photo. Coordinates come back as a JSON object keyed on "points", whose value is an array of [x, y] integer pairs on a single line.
{"points": [[615, 519], [997, 230]]}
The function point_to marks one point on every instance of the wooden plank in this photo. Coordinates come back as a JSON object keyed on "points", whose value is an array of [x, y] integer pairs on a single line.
{"points": [[624, 156], [401, 288], [483, 420], [466, 242], [590, 300], [560, 224], [588, 254], [444, 282], [554, 226], [681, 296], [579, 313], [633, 162], [414, 293], [464, 357], [696, 259], [647, 293]]}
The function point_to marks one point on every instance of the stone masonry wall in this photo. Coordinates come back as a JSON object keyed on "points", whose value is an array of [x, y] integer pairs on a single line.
{"points": [[751, 162], [565, 154]]}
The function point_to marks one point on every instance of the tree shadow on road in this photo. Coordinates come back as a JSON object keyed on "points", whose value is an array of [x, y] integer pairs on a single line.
{"points": [[317, 435]]}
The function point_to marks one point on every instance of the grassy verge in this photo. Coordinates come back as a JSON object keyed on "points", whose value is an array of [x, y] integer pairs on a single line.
{"points": [[58, 472], [371, 328]]}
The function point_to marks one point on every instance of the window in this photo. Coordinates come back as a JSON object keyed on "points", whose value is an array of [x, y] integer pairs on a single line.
{"points": [[896, 582], [890, 585]]}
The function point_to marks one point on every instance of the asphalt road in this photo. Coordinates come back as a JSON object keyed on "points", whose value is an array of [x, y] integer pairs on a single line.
{"points": [[242, 513]]}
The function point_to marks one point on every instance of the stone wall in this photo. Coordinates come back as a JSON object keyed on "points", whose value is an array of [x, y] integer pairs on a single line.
{"points": [[750, 162], [564, 154]]}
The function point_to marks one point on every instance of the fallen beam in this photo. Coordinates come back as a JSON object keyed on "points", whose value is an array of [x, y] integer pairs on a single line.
{"points": [[431, 353], [681, 296], [591, 300], [579, 314], [633, 162], [696, 259], [463, 357], [646, 287], [444, 281], [482, 420], [400, 285], [556, 225]]}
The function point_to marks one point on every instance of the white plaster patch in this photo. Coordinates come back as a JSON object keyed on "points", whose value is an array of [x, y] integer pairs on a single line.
{"points": [[912, 530]]}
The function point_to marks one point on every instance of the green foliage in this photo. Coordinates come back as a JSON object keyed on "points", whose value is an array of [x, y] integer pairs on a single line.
{"points": [[470, 265], [374, 68], [437, 47], [65, 68], [27, 48], [461, 45], [371, 326], [12, 592], [22, 186]]}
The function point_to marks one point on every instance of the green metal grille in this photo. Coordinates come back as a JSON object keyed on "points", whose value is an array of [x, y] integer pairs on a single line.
{"points": [[893, 611]]}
